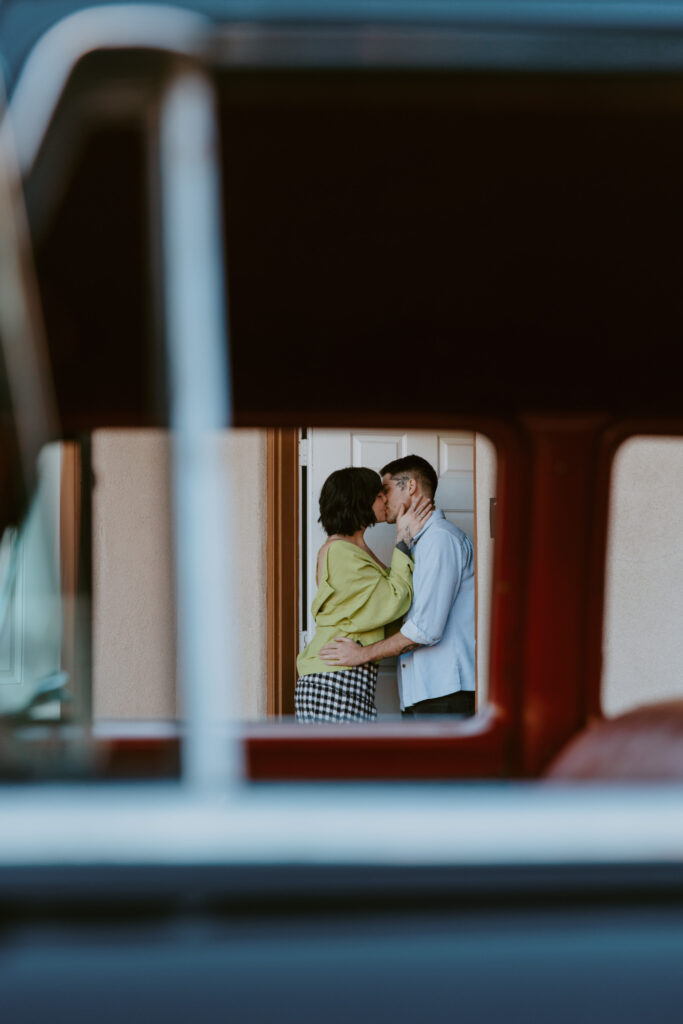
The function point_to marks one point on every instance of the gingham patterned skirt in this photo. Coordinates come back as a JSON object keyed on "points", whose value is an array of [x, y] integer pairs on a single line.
{"points": [[347, 695]]}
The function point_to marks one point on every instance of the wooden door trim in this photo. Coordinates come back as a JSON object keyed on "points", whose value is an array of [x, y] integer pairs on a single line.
{"points": [[282, 550]]}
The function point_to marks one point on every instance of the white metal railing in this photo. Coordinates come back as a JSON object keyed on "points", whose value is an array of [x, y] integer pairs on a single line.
{"points": [[196, 334]]}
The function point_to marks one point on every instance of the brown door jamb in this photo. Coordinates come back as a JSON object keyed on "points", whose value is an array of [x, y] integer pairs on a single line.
{"points": [[283, 569]]}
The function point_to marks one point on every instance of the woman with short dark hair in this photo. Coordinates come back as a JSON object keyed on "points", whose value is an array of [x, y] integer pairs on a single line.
{"points": [[357, 595]]}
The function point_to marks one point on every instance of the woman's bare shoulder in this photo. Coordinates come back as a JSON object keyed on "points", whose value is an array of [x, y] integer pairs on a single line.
{"points": [[337, 550]]}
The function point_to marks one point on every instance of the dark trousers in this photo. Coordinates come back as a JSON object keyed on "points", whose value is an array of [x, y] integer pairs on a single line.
{"points": [[460, 704]]}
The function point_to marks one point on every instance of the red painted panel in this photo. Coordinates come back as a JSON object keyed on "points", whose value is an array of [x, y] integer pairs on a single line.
{"points": [[557, 666], [472, 750]]}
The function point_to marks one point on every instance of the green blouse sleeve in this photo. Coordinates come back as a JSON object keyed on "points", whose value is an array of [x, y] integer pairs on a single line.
{"points": [[368, 595]]}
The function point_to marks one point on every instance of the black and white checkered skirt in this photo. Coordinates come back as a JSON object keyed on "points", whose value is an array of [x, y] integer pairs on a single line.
{"points": [[347, 695]]}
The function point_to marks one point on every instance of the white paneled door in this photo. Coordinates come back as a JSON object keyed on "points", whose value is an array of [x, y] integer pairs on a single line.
{"points": [[451, 453]]}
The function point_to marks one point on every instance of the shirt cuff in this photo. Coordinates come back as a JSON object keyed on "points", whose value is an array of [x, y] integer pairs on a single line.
{"points": [[414, 633]]}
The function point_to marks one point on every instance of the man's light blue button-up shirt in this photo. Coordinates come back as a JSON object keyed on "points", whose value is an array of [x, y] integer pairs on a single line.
{"points": [[441, 617]]}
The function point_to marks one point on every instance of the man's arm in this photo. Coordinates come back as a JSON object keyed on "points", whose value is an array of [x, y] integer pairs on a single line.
{"points": [[349, 653], [437, 579]]}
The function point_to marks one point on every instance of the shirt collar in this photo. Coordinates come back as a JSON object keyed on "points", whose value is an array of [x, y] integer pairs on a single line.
{"points": [[436, 514]]}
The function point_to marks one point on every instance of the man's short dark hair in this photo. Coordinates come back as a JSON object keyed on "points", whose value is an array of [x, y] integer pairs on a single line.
{"points": [[416, 467], [346, 500]]}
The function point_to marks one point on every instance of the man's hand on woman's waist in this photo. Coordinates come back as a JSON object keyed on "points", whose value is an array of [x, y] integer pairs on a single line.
{"points": [[342, 651]]}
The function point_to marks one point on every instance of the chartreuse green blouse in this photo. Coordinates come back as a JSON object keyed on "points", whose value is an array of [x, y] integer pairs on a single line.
{"points": [[356, 598]]}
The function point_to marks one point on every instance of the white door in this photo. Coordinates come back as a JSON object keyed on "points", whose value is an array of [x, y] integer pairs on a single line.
{"points": [[451, 454]]}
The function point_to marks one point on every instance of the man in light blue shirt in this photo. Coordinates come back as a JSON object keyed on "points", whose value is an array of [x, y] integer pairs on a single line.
{"points": [[435, 645]]}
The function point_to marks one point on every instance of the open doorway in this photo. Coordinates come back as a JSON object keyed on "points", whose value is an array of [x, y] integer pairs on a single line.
{"points": [[465, 467]]}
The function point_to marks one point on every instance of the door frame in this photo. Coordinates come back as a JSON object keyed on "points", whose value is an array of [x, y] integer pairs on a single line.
{"points": [[282, 556]]}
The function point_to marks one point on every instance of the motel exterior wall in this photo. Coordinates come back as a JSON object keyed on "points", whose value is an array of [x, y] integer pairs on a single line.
{"points": [[134, 651], [134, 648]]}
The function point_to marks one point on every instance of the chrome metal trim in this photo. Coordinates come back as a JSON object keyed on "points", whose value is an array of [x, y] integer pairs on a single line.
{"points": [[196, 336], [486, 35], [401, 825], [54, 57]]}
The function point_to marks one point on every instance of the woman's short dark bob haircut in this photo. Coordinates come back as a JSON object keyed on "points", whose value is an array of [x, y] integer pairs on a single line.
{"points": [[346, 500]]}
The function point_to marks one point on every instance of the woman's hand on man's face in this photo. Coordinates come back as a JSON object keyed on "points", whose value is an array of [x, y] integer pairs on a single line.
{"points": [[412, 518]]}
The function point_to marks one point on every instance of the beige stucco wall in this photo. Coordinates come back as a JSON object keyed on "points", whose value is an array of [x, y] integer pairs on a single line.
{"points": [[134, 651], [643, 638]]}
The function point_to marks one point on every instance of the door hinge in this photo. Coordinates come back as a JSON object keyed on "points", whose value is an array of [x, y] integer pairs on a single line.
{"points": [[303, 451]]}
